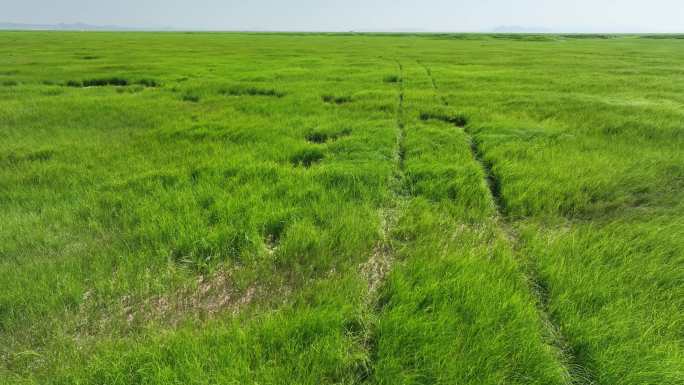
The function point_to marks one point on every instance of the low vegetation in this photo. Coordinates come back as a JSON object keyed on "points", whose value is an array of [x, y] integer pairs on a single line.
{"points": [[344, 209]]}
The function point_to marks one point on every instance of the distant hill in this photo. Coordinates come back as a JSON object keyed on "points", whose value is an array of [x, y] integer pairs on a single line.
{"points": [[69, 27], [520, 29]]}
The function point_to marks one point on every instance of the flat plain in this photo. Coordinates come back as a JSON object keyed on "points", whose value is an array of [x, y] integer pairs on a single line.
{"points": [[224, 208]]}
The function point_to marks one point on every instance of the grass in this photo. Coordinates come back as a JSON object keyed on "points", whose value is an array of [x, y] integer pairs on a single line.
{"points": [[391, 79], [251, 91], [112, 81], [464, 209], [336, 99]]}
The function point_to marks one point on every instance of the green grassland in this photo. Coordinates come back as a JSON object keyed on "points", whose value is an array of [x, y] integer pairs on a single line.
{"points": [[197, 208]]}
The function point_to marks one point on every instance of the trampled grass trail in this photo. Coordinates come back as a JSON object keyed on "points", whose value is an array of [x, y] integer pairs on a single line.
{"points": [[576, 372], [380, 263], [410, 343]]}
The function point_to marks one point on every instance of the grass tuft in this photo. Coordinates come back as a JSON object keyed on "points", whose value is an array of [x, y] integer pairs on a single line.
{"points": [[321, 136], [112, 81], [147, 82], [332, 99], [98, 82], [317, 137], [458, 120], [392, 79], [33, 156], [190, 97], [307, 157], [251, 91], [102, 82]]}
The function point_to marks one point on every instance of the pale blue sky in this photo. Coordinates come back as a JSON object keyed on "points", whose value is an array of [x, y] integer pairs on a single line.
{"points": [[344, 15]]}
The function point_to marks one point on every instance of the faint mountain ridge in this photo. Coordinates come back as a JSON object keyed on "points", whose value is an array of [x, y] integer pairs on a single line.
{"points": [[73, 27], [520, 29]]}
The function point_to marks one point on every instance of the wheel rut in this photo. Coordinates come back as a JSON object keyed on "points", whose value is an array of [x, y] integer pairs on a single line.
{"points": [[575, 372], [379, 265]]}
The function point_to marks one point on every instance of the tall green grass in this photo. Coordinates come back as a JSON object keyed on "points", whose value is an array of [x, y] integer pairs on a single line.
{"points": [[202, 209]]}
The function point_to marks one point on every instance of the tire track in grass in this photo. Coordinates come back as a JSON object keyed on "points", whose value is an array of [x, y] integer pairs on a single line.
{"points": [[428, 71], [378, 266], [576, 373]]}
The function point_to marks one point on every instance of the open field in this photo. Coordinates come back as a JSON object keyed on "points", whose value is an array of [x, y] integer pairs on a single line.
{"points": [[341, 209]]}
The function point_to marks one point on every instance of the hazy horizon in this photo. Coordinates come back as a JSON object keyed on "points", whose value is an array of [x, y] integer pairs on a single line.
{"points": [[608, 16]]}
